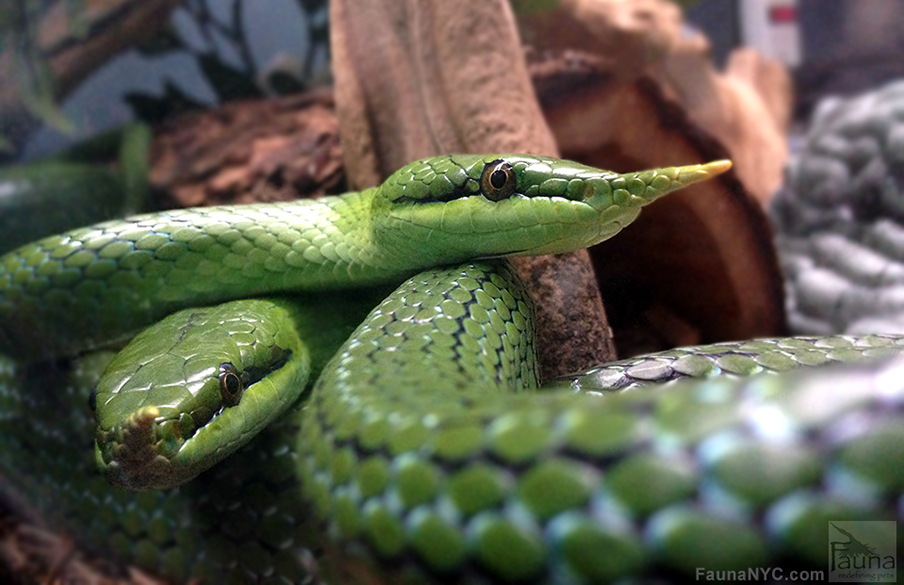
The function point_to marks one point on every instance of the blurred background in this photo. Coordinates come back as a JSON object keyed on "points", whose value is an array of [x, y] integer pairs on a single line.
{"points": [[831, 48], [837, 48]]}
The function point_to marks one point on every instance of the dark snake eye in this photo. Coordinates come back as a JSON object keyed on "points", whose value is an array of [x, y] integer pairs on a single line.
{"points": [[231, 384], [498, 180]]}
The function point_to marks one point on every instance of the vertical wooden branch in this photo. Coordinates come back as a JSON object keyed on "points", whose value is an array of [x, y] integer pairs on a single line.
{"points": [[419, 78]]}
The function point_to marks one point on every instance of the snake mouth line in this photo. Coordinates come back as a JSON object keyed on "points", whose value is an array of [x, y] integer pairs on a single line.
{"points": [[149, 444], [457, 193]]}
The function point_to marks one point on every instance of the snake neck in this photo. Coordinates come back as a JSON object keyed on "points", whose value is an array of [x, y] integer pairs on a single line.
{"points": [[331, 243], [82, 289]]}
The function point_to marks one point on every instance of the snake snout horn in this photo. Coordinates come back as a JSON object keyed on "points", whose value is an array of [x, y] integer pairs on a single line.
{"points": [[639, 188]]}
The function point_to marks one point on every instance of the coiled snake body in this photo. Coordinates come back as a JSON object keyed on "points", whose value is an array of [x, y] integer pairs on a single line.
{"points": [[411, 451]]}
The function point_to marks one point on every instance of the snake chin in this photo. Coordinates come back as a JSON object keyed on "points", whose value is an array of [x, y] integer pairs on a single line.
{"points": [[138, 454]]}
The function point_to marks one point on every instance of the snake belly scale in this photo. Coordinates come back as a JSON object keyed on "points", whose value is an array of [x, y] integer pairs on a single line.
{"points": [[423, 449]]}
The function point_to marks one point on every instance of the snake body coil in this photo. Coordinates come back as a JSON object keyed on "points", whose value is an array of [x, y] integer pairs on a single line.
{"points": [[411, 450]]}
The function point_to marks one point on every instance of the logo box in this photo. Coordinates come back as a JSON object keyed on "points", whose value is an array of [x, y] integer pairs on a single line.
{"points": [[862, 551]]}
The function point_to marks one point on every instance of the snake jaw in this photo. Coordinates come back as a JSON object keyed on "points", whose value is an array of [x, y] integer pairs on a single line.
{"points": [[138, 453]]}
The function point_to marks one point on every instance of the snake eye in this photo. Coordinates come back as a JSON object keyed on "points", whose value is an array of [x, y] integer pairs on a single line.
{"points": [[498, 180], [231, 384]]}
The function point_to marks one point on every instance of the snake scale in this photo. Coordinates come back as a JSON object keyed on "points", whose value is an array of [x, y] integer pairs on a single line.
{"points": [[424, 450]]}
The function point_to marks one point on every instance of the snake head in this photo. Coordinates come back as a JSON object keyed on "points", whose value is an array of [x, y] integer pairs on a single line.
{"points": [[467, 206], [190, 390]]}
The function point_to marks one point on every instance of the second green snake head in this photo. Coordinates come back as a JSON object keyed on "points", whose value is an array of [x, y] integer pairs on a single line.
{"points": [[479, 206], [190, 390]]}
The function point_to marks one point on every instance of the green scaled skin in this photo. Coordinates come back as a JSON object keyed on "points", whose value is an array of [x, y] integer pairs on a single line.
{"points": [[242, 520], [423, 449], [90, 287], [718, 472], [453, 480], [178, 396], [79, 290], [730, 359]]}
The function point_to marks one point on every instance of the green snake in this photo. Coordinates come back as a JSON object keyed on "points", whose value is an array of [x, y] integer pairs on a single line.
{"points": [[424, 450]]}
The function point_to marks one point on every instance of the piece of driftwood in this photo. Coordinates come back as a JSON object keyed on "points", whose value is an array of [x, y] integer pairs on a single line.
{"points": [[697, 266], [769, 78], [33, 554], [747, 107], [632, 34], [443, 77], [438, 77], [260, 150]]}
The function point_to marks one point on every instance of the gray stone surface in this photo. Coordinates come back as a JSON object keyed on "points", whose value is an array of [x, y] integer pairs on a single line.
{"points": [[839, 218]]}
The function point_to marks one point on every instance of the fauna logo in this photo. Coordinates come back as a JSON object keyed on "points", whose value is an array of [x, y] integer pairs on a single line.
{"points": [[862, 551]]}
